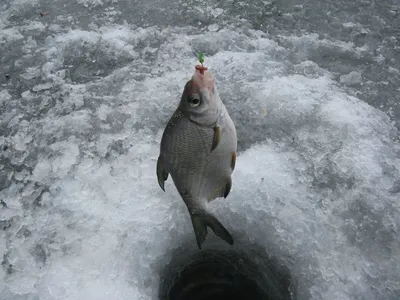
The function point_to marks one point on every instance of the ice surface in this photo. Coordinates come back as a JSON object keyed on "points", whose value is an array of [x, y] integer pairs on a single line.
{"points": [[316, 183]]}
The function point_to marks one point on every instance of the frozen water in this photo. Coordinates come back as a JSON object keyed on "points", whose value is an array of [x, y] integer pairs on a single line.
{"points": [[352, 78], [87, 90]]}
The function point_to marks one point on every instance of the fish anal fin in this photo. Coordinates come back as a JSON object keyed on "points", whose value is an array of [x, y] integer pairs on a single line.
{"points": [[217, 138], [221, 190], [162, 173]]}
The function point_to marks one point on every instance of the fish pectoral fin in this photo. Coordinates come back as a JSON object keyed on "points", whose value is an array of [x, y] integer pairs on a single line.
{"points": [[233, 161], [221, 190], [162, 173], [200, 223], [217, 138]]}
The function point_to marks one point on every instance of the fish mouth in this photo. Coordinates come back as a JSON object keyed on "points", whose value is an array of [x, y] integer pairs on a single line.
{"points": [[221, 273]]}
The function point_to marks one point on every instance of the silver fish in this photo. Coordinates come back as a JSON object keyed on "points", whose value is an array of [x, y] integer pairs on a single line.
{"points": [[198, 149]]}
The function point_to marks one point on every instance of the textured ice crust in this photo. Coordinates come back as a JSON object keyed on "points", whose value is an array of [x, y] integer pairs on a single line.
{"points": [[315, 185]]}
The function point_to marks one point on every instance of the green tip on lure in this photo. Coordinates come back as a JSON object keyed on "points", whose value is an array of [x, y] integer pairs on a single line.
{"points": [[200, 57]]}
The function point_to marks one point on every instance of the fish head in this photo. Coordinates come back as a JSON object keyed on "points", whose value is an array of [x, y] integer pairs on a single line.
{"points": [[199, 99]]}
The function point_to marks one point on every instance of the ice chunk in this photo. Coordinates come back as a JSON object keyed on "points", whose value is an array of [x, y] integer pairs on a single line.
{"points": [[29, 45], [21, 139], [349, 25], [213, 27], [353, 78], [30, 74], [10, 34], [395, 188], [4, 97], [61, 165], [41, 87], [61, 73], [298, 7], [3, 247], [217, 12], [26, 94], [42, 171], [13, 121]]}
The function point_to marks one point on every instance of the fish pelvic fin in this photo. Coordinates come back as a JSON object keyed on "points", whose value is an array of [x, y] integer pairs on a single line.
{"points": [[200, 222], [162, 173]]}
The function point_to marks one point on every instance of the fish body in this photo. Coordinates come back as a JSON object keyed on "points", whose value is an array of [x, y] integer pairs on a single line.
{"points": [[198, 149]]}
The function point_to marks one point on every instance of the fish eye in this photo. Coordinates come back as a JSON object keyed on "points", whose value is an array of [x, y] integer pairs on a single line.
{"points": [[194, 100]]}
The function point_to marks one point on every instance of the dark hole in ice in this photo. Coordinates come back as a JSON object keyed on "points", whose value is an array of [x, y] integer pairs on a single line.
{"points": [[213, 274]]}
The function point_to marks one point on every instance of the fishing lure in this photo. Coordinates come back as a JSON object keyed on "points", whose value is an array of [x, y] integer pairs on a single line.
{"points": [[201, 68]]}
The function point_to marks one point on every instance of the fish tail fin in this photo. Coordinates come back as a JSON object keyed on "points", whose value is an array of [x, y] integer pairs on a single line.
{"points": [[200, 223]]}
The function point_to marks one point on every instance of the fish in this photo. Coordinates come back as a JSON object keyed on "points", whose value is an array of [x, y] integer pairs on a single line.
{"points": [[198, 151]]}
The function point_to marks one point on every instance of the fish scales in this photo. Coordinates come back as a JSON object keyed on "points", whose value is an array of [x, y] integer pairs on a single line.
{"points": [[198, 150]]}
